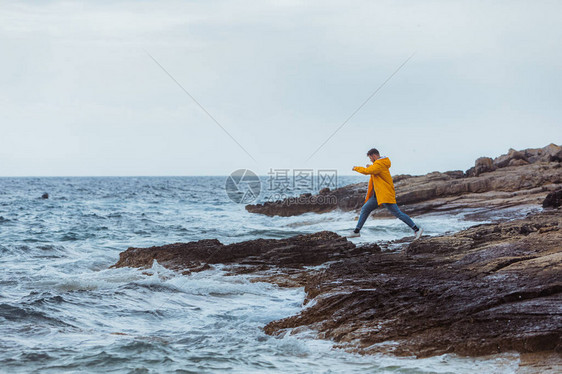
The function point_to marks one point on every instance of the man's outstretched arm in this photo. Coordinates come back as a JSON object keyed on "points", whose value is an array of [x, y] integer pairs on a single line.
{"points": [[370, 170]]}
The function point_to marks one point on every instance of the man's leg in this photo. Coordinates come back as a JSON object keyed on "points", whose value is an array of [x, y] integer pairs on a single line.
{"points": [[367, 208], [393, 208]]}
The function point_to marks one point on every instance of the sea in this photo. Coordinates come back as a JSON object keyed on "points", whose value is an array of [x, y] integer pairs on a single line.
{"points": [[63, 309]]}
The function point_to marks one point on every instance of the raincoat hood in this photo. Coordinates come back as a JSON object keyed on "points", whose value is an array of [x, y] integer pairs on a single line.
{"points": [[385, 161]]}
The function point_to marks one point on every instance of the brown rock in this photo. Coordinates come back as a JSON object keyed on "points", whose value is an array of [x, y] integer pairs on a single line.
{"points": [[294, 252], [400, 177], [482, 165], [553, 199], [518, 162], [504, 160], [455, 174], [554, 153]]}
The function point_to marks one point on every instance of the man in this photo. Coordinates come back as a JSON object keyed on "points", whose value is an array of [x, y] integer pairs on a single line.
{"points": [[380, 192]]}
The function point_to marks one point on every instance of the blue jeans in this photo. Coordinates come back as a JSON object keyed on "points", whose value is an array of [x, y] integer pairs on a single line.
{"points": [[372, 204]]}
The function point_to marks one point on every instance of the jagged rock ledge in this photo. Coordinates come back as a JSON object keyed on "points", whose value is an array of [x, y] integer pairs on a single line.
{"points": [[249, 256], [513, 179], [488, 289]]}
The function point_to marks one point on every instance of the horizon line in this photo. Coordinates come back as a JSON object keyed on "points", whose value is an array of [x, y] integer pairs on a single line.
{"points": [[130, 176]]}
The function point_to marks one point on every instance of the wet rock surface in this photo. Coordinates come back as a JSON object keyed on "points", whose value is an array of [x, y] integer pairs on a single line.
{"points": [[516, 178], [292, 253], [488, 289]]}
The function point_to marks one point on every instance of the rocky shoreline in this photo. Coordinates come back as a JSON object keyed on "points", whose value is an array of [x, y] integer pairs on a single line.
{"points": [[514, 179], [488, 289], [492, 288]]}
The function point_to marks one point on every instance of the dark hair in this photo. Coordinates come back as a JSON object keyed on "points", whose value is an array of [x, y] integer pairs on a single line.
{"points": [[373, 151]]}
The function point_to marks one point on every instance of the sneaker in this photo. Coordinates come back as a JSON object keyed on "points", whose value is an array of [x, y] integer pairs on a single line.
{"points": [[419, 233], [353, 235]]}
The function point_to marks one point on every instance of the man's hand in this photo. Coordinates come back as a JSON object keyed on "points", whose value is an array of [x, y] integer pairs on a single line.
{"points": [[355, 167]]}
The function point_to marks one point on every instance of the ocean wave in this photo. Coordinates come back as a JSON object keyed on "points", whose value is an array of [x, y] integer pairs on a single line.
{"points": [[109, 279], [75, 236], [21, 314], [52, 248], [34, 357]]}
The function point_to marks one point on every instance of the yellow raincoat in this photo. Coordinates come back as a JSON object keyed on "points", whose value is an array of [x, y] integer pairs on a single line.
{"points": [[380, 181]]}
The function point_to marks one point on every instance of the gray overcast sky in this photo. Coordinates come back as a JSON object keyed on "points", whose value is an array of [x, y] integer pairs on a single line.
{"points": [[80, 96]]}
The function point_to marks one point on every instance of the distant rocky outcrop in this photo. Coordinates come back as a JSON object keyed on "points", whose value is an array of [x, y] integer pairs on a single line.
{"points": [[346, 198], [516, 178]]}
